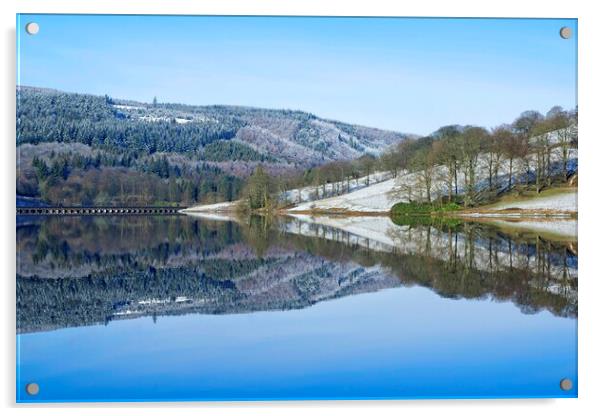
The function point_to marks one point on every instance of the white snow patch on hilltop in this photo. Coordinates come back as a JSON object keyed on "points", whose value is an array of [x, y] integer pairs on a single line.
{"points": [[127, 107], [155, 119]]}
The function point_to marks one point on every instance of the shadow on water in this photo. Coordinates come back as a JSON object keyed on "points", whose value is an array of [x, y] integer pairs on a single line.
{"points": [[81, 271]]}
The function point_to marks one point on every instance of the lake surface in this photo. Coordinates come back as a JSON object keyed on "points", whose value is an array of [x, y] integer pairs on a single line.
{"points": [[183, 308]]}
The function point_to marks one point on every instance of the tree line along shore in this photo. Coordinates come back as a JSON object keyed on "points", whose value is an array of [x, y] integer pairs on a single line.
{"points": [[456, 167]]}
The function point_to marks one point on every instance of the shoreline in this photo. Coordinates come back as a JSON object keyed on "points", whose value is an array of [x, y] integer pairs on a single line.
{"points": [[557, 228]]}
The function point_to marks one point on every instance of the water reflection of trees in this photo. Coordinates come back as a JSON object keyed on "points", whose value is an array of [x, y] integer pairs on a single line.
{"points": [[78, 246], [83, 271], [464, 260]]}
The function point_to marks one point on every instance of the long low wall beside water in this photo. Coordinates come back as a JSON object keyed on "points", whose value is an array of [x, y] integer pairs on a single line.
{"points": [[97, 210]]}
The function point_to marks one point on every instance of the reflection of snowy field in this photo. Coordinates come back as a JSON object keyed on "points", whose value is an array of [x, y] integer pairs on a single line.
{"points": [[483, 253], [561, 228], [369, 232], [288, 279], [284, 276], [211, 215]]}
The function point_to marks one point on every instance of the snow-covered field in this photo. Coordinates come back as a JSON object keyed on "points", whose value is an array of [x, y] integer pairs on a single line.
{"points": [[361, 193], [382, 196], [374, 198], [384, 191], [559, 202], [127, 107], [219, 207], [311, 193]]}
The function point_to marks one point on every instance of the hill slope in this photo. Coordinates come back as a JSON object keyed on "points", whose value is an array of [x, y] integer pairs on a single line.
{"points": [[231, 132], [75, 149], [380, 197]]}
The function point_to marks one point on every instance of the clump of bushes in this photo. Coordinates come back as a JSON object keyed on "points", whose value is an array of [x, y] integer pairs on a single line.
{"points": [[422, 208]]}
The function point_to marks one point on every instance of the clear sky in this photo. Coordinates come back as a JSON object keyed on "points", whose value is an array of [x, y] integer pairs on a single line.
{"points": [[407, 74]]}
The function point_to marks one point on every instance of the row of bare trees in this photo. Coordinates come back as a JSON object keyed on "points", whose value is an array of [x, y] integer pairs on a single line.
{"points": [[454, 155], [461, 151]]}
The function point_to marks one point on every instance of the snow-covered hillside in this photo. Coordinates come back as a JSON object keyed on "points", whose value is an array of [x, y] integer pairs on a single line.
{"points": [[295, 138], [385, 191], [313, 193], [379, 198], [378, 193]]}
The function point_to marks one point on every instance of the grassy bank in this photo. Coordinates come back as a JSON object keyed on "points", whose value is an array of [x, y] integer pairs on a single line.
{"points": [[418, 208]]}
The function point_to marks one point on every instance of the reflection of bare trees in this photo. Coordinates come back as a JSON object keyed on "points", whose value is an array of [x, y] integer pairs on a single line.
{"points": [[485, 249], [534, 271], [56, 247], [471, 261]]}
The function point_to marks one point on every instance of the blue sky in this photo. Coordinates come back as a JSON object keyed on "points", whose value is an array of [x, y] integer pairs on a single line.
{"points": [[406, 74]]}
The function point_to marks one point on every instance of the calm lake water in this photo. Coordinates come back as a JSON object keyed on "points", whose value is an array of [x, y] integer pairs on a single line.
{"points": [[182, 308]]}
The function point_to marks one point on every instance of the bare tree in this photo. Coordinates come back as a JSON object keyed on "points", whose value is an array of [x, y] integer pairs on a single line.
{"points": [[524, 126], [423, 164], [367, 165], [470, 146], [562, 123], [500, 137], [449, 135], [512, 148], [446, 153]]}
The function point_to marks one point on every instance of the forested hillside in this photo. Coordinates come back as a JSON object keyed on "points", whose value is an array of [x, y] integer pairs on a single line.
{"points": [[78, 149]]}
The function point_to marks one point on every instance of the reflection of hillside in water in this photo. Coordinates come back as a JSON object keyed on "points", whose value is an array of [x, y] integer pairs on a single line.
{"points": [[80, 271], [193, 266]]}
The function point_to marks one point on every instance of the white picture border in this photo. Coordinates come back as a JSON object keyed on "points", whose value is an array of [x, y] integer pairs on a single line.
{"points": [[590, 203]]}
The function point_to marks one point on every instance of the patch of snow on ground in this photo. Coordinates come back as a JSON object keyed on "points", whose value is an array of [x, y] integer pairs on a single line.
{"points": [[382, 196], [374, 198], [560, 202], [219, 207], [153, 118], [311, 193]]}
